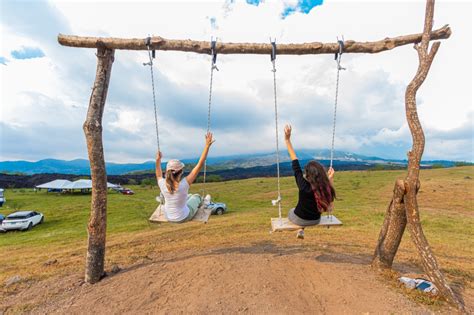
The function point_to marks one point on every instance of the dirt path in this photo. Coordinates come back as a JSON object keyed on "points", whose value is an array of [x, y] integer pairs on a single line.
{"points": [[255, 279]]}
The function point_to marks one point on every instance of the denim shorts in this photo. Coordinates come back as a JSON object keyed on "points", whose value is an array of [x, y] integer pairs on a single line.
{"points": [[301, 222]]}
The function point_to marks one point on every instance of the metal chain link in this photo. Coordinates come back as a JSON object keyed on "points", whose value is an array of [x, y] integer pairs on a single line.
{"points": [[150, 63], [278, 201], [339, 68], [213, 67]]}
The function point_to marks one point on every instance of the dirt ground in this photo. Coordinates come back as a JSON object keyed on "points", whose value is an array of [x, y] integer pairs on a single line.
{"points": [[257, 279]]}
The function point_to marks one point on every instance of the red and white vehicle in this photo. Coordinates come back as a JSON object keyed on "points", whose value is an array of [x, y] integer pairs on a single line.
{"points": [[127, 191]]}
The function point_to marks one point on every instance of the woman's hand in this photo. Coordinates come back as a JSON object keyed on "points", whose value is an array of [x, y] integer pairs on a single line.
{"points": [[202, 160], [289, 146], [158, 171], [287, 132], [209, 139], [331, 173]]}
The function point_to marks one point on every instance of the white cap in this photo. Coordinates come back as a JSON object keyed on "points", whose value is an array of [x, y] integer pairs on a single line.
{"points": [[174, 165]]}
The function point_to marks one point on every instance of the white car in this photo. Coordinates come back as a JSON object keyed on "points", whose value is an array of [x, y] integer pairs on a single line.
{"points": [[22, 220]]}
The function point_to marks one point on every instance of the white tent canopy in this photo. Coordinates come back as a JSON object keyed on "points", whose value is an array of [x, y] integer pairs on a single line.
{"points": [[68, 185], [55, 184], [85, 184]]}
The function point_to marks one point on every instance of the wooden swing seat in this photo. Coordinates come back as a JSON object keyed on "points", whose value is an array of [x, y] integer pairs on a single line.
{"points": [[286, 225], [202, 215]]}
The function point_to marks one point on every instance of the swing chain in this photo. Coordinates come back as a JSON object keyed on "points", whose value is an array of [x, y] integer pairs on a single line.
{"points": [[213, 67], [214, 54], [151, 56], [337, 57], [273, 58]]}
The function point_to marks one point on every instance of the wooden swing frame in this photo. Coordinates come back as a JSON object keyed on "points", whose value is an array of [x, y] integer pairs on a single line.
{"points": [[402, 210]]}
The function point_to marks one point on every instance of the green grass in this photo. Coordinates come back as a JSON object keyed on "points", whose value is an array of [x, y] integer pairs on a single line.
{"points": [[445, 199]]}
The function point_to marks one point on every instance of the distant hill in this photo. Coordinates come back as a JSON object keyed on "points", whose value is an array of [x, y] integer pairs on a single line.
{"points": [[217, 164], [77, 167]]}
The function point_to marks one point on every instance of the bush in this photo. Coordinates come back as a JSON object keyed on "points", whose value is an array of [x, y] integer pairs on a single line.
{"points": [[458, 164], [131, 181], [378, 167], [209, 179], [387, 167], [437, 165], [13, 173], [148, 182]]}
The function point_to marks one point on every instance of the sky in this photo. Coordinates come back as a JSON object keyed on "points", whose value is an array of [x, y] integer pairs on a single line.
{"points": [[45, 87]]}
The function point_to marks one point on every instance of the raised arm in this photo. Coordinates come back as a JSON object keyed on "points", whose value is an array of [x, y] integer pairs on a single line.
{"points": [[331, 175], [331, 181], [195, 172], [158, 171], [289, 146], [301, 182]]}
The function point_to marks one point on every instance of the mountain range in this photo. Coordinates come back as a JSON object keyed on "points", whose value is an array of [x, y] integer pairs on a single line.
{"points": [[244, 161]]}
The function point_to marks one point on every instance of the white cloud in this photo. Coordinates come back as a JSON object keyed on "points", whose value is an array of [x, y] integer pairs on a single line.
{"points": [[387, 136], [128, 120]]}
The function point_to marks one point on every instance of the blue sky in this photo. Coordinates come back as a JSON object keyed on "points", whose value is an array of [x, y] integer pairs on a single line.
{"points": [[45, 87], [27, 53], [303, 6]]}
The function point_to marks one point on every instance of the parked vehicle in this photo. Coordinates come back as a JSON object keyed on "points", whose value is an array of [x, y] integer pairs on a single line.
{"points": [[22, 220], [117, 189], [123, 191], [2, 197], [127, 191], [54, 190], [218, 208]]}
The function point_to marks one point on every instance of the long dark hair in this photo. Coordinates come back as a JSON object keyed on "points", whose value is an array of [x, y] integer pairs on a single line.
{"points": [[324, 192], [173, 177]]}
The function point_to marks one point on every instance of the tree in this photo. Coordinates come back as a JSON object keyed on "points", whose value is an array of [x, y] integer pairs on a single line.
{"points": [[403, 209], [93, 130]]}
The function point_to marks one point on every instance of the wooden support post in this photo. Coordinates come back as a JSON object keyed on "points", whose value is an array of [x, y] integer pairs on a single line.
{"points": [[93, 131], [392, 229], [425, 56], [411, 182]]}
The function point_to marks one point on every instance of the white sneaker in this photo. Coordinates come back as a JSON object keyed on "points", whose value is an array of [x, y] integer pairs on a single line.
{"points": [[300, 234], [207, 200]]}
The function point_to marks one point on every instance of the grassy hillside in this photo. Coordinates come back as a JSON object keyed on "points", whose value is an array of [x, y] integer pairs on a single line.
{"points": [[446, 201]]}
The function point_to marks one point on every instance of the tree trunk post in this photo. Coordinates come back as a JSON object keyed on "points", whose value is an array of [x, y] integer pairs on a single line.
{"points": [[430, 265], [93, 131], [392, 229], [411, 182]]}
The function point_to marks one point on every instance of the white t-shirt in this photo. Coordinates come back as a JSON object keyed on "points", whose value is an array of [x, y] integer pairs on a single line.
{"points": [[176, 208]]}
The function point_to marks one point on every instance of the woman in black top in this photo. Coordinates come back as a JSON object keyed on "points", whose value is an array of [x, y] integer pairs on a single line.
{"points": [[316, 191]]}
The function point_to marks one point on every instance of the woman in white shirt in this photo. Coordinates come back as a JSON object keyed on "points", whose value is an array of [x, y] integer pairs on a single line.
{"points": [[179, 206]]}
